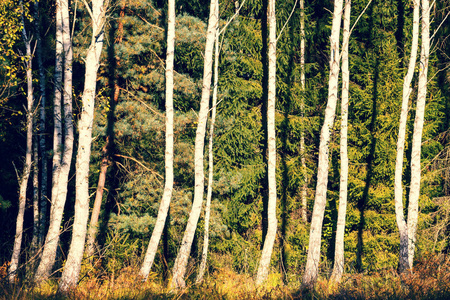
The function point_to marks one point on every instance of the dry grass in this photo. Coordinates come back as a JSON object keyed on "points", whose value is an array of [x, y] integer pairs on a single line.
{"points": [[430, 280]]}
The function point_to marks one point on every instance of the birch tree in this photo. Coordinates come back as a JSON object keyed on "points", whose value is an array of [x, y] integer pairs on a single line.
{"points": [[413, 207], [202, 268], [181, 261], [264, 263], [23, 180], [62, 152], [398, 189], [338, 268], [313, 258], [168, 188], [69, 277], [109, 147]]}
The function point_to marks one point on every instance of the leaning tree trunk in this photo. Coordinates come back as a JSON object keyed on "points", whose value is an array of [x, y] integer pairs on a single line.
{"points": [[181, 261], [167, 195], [338, 268], [264, 263], [27, 166], [202, 268], [303, 192], [62, 153], [312, 263], [70, 275], [413, 207], [398, 189], [92, 231]]}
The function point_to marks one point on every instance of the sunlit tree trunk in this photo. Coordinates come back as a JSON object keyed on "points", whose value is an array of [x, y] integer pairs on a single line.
{"points": [[304, 186], [23, 181], [181, 261], [264, 263], [71, 272], [313, 259], [62, 153], [398, 189], [338, 268], [202, 268], [92, 231], [109, 147], [413, 207], [168, 188]]}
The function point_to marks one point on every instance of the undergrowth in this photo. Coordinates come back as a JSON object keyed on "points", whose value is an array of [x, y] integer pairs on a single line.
{"points": [[430, 280]]}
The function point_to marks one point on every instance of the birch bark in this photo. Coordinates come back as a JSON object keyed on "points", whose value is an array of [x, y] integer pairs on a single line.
{"points": [[71, 272], [312, 263], [168, 188], [338, 268], [413, 207], [181, 261], [28, 157], [109, 148], [202, 268], [398, 189], [62, 153], [264, 263]]}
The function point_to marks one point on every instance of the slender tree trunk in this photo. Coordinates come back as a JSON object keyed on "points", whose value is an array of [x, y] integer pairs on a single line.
{"points": [[35, 239], [413, 207], [264, 263], [42, 128], [92, 231], [338, 268], [181, 261], [109, 148], [398, 189], [168, 188], [28, 157], [202, 268], [303, 192], [71, 272], [312, 263], [62, 153]]}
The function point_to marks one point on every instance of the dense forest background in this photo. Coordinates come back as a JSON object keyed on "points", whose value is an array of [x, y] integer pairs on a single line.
{"points": [[130, 106]]}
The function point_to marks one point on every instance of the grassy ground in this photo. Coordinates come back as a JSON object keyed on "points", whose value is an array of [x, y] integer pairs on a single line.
{"points": [[430, 280]]}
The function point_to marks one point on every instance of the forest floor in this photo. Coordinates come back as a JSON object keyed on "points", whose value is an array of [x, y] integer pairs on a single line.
{"points": [[430, 280]]}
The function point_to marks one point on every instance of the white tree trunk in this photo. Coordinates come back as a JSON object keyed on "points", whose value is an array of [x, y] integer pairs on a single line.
{"points": [[62, 153], [181, 261], [201, 271], [70, 275], [264, 263], [312, 263], [338, 268], [27, 166], [303, 191], [398, 189], [167, 195], [413, 207]]}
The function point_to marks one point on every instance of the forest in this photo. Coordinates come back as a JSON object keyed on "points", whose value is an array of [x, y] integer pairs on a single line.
{"points": [[253, 149]]}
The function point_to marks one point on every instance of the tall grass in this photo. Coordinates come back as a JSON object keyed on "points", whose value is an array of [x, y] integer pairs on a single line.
{"points": [[430, 280]]}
